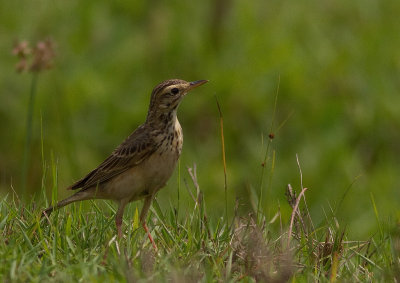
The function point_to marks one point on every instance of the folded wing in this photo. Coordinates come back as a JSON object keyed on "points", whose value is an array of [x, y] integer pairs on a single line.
{"points": [[136, 148]]}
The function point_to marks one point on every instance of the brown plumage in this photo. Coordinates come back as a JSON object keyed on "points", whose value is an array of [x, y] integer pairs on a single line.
{"points": [[142, 164]]}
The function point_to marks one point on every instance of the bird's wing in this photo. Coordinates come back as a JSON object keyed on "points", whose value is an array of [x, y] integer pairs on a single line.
{"points": [[136, 148]]}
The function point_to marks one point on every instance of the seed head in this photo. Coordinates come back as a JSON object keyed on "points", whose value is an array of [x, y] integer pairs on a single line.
{"points": [[41, 56]]}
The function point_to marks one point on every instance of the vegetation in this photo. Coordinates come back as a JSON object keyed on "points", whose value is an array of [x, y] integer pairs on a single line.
{"points": [[306, 79], [79, 243]]}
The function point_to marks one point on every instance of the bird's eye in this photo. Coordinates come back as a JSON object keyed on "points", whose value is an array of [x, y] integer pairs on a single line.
{"points": [[174, 90]]}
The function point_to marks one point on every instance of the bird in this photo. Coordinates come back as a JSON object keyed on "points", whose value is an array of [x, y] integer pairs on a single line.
{"points": [[143, 163]]}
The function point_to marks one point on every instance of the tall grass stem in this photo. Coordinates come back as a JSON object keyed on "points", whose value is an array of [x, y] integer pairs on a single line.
{"points": [[221, 122], [28, 133], [260, 197]]}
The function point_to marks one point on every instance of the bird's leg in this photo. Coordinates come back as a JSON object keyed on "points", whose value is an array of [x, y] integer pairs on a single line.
{"points": [[149, 235], [143, 214], [118, 217]]}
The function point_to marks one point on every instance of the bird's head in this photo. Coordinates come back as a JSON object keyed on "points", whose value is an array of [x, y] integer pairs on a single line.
{"points": [[167, 95]]}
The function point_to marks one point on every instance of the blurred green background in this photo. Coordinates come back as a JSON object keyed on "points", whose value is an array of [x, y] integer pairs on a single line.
{"points": [[336, 63]]}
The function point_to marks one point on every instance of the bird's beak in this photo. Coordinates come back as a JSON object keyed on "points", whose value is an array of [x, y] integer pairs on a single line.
{"points": [[195, 84]]}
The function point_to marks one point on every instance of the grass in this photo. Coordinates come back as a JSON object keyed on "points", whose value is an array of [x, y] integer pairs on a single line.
{"points": [[78, 242]]}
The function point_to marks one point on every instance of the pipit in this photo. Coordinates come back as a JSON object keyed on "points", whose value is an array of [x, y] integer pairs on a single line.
{"points": [[142, 164]]}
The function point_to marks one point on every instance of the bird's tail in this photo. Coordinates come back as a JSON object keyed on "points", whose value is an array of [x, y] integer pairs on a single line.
{"points": [[75, 197]]}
